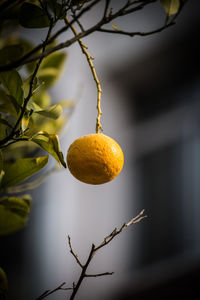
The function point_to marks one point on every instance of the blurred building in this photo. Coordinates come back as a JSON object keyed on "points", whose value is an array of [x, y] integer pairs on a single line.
{"points": [[162, 91]]}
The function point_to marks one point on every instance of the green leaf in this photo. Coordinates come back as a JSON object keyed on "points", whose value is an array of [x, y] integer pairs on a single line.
{"points": [[55, 60], [1, 161], [2, 173], [26, 85], [43, 124], [171, 6], [10, 53], [12, 82], [52, 112], [25, 122], [42, 99], [32, 16], [51, 68], [67, 103], [3, 131], [5, 122], [48, 76], [1, 167], [14, 212], [50, 143], [5, 127], [56, 8], [22, 169], [3, 282], [8, 104], [79, 2]]}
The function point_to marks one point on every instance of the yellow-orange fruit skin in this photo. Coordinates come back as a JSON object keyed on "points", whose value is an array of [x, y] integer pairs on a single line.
{"points": [[95, 158]]}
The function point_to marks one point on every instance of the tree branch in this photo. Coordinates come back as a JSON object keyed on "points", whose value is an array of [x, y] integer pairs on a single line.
{"points": [[105, 20], [136, 33], [116, 231], [94, 250], [73, 253], [99, 275], [106, 8], [49, 292]]}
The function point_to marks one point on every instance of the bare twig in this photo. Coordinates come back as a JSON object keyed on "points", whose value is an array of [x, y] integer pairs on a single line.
{"points": [[99, 275], [106, 8], [75, 18], [136, 33], [73, 253], [116, 231], [49, 292], [94, 250]]}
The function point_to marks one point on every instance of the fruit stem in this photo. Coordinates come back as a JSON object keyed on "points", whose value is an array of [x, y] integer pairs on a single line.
{"points": [[94, 74]]}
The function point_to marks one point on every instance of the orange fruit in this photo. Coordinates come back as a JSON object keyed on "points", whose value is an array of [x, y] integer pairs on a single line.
{"points": [[95, 158]]}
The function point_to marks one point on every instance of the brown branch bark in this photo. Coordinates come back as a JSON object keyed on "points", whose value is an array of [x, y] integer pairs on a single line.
{"points": [[99, 275], [116, 231], [94, 249], [49, 292], [136, 33], [73, 253]]}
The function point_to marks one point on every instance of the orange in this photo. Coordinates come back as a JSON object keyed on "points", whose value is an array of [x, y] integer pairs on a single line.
{"points": [[95, 158]]}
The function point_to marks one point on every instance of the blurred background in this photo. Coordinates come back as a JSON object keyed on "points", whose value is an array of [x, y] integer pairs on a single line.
{"points": [[151, 104]]}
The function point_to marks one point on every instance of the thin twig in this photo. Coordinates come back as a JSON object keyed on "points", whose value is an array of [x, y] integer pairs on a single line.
{"points": [[99, 275], [94, 74], [49, 292], [116, 231], [73, 253], [136, 33], [77, 19], [13, 141], [94, 250], [106, 8]]}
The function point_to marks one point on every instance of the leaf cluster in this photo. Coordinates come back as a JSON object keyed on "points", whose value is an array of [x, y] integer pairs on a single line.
{"points": [[29, 120]]}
